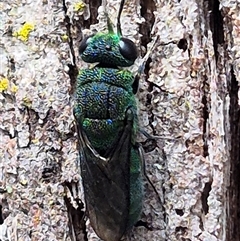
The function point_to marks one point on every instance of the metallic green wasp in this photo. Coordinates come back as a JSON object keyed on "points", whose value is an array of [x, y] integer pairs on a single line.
{"points": [[106, 115]]}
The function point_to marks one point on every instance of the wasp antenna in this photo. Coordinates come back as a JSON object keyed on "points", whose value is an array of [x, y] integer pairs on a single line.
{"points": [[109, 24], [119, 30], [141, 67]]}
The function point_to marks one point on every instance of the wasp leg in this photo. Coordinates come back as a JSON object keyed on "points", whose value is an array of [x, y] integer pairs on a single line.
{"points": [[155, 138], [146, 176], [142, 66]]}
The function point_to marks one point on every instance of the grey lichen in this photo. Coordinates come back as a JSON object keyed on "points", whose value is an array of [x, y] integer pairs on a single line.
{"points": [[183, 100]]}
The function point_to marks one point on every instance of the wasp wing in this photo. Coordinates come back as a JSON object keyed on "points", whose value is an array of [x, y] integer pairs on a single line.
{"points": [[106, 182]]}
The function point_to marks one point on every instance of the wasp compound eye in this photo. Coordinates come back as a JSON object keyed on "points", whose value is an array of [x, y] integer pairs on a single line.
{"points": [[128, 49], [84, 44]]}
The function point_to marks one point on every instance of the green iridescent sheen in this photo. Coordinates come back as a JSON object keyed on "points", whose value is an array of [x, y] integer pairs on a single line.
{"points": [[96, 51], [105, 111], [103, 95]]}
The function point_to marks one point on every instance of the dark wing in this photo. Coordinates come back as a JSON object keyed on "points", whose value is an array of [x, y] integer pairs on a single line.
{"points": [[106, 183]]}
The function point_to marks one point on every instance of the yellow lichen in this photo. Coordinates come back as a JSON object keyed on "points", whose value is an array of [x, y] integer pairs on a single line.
{"points": [[27, 101], [34, 141], [4, 83], [64, 38], [24, 182], [14, 88], [9, 189], [79, 6], [24, 31], [51, 99]]}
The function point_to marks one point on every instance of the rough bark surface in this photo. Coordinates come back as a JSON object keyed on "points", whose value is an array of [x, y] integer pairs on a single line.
{"points": [[188, 97]]}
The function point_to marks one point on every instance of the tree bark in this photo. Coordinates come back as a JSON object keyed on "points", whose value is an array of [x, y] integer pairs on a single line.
{"points": [[188, 98]]}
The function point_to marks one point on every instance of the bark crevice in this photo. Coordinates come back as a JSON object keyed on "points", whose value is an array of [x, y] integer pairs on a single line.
{"points": [[234, 190], [216, 25], [205, 195], [147, 9]]}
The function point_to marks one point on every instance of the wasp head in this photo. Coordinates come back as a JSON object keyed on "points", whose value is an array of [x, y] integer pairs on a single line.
{"points": [[109, 50]]}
